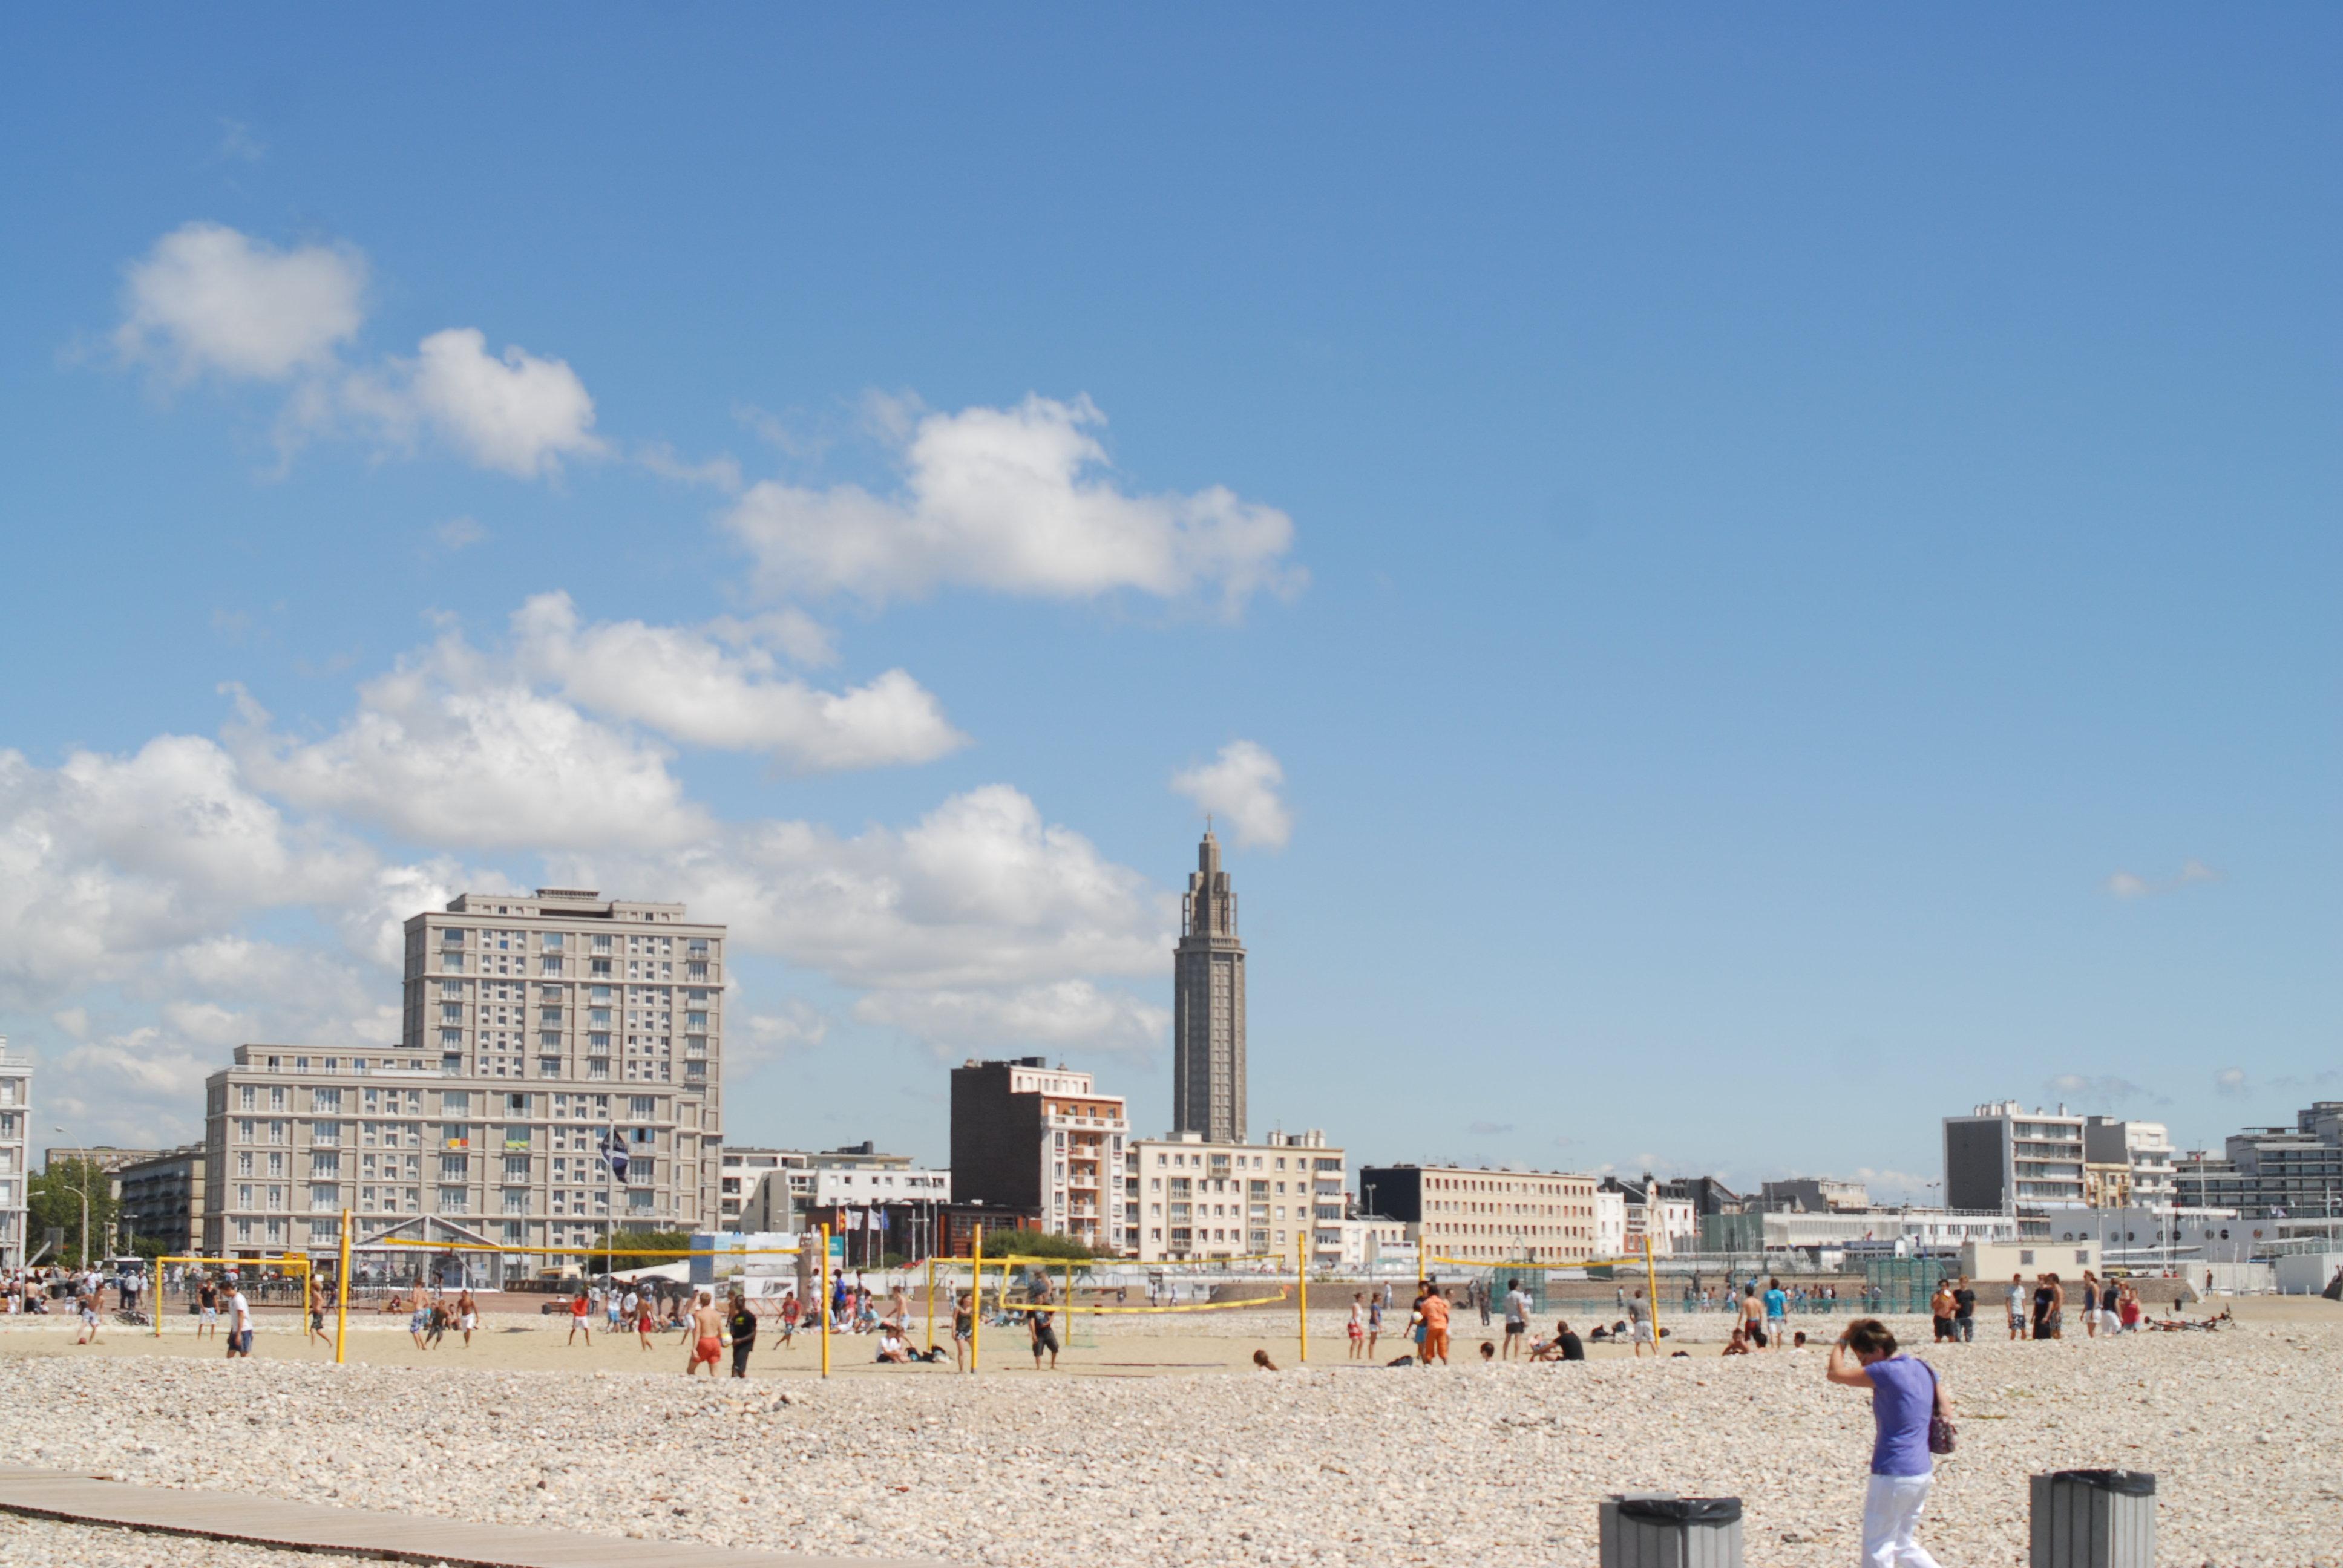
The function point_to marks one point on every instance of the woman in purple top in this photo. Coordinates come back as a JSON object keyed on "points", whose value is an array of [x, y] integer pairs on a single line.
{"points": [[1904, 1394]]}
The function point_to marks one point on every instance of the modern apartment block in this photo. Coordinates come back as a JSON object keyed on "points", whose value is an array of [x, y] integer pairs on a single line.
{"points": [[2144, 1150], [2001, 1156], [162, 1197], [2272, 1171], [1208, 1007], [16, 1154], [1043, 1142], [1493, 1216], [1189, 1197]]}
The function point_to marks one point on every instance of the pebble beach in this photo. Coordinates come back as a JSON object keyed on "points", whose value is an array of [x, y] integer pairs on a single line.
{"points": [[1154, 1448]]}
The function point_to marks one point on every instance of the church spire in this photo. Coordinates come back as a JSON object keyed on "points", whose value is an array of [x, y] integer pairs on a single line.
{"points": [[1208, 1012]]}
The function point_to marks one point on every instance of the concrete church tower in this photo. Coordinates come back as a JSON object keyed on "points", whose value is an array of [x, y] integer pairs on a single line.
{"points": [[1208, 1007]]}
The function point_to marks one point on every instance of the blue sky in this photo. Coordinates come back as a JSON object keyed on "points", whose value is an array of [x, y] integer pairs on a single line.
{"points": [[1739, 583]]}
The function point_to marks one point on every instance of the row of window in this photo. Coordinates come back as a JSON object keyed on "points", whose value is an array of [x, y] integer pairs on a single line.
{"points": [[373, 1101]]}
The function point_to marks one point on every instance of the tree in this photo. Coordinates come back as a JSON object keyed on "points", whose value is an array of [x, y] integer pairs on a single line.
{"points": [[54, 1197], [1038, 1244], [623, 1262]]}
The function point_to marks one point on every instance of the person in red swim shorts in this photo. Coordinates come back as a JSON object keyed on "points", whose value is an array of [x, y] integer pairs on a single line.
{"points": [[707, 1335]]}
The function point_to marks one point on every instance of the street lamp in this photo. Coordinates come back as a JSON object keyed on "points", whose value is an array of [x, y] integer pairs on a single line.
{"points": [[81, 1157]]}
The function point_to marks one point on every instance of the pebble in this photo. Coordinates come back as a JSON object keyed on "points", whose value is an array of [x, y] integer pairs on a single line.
{"points": [[1322, 1465]]}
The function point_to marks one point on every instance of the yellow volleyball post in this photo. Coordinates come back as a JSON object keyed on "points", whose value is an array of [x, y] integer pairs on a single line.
{"points": [[342, 1295], [1302, 1290], [825, 1301], [1067, 1314], [158, 1298], [1652, 1284], [931, 1299], [976, 1301]]}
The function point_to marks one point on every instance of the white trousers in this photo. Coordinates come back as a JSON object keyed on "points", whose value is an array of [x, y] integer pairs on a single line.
{"points": [[1891, 1512]]}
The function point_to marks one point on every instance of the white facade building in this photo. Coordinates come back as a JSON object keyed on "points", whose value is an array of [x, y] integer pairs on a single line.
{"points": [[1198, 1200], [2144, 1146], [1928, 1230], [1375, 1244], [16, 1154], [1610, 1223]]}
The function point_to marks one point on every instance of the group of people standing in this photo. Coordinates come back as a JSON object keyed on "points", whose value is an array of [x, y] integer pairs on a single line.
{"points": [[2109, 1306]]}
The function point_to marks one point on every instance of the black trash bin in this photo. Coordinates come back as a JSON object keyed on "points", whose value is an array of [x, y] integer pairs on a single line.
{"points": [[2092, 1519], [1660, 1530]]}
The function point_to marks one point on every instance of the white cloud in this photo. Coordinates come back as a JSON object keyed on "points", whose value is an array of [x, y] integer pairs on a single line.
{"points": [[2233, 1082], [238, 142], [757, 1038], [979, 895], [209, 299], [1071, 1014], [721, 472], [2106, 1089], [688, 684], [441, 751], [1241, 785], [106, 858], [519, 415], [1016, 500], [458, 534], [2192, 874]]}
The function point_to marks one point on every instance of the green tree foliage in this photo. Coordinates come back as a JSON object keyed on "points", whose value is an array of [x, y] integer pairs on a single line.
{"points": [[623, 1262], [55, 1198], [1037, 1245]]}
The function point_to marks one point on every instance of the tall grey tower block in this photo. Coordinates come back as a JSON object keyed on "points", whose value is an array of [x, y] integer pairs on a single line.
{"points": [[1208, 1007]]}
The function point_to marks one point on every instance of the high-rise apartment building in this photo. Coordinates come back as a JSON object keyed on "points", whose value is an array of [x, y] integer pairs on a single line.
{"points": [[2003, 1157], [537, 1031], [1188, 1198], [16, 1153], [1043, 1142], [1208, 1007], [1491, 1216]]}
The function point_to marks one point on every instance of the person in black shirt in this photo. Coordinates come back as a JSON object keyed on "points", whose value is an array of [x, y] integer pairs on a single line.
{"points": [[1965, 1309], [741, 1324], [1564, 1346]]}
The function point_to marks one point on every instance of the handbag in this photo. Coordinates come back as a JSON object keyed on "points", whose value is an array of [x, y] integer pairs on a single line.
{"points": [[1942, 1434]]}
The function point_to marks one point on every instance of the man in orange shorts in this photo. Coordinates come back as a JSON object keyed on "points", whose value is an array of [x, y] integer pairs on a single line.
{"points": [[706, 1335], [1436, 1329]]}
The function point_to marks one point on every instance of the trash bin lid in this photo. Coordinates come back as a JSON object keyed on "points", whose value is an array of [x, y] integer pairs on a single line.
{"points": [[1681, 1510], [2127, 1482]]}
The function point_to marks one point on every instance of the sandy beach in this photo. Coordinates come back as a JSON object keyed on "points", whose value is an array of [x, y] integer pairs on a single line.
{"points": [[1164, 1447]]}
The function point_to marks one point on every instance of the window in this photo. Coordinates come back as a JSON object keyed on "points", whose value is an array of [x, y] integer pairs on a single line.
{"points": [[550, 941], [641, 1107], [517, 1201], [247, 1098], [453, 1200]]}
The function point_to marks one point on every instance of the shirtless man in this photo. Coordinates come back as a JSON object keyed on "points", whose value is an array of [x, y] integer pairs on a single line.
{"points": [[706, 1335]]}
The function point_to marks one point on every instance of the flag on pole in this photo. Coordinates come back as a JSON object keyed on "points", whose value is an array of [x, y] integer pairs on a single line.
{"points": [[614, 1152]]}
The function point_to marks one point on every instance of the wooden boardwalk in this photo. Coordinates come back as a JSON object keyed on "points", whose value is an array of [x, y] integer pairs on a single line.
{"points": [[356, 1533]]}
